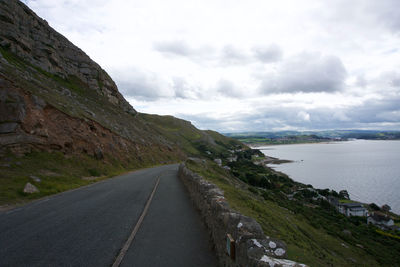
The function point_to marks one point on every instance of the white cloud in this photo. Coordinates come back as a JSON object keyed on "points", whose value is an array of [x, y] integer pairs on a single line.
{"points": [[304, 116], [267, 54], [306, 73], [242, 66]]}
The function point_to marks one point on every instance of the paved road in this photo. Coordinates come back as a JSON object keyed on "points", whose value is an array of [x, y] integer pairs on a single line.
{"points": [[89, 226]]}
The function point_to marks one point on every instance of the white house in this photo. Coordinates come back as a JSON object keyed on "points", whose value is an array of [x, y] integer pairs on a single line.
{"points": [[381, 220], [352, 209]]}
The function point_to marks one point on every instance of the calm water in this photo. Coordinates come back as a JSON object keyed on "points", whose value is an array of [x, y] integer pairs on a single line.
{"points": [[368, 170]]}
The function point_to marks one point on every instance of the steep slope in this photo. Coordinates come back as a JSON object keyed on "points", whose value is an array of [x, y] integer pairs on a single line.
{"points": [[54, 98]]}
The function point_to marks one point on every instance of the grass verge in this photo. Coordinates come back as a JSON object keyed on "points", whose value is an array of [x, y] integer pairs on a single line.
{"points": [[57, 173]]}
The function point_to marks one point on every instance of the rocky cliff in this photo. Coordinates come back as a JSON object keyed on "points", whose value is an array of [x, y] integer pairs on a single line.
{"points": [[53, 97], [33, 40]]}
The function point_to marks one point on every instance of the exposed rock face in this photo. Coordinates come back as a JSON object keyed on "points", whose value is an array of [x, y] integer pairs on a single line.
{"points": [[53, 97], [38, 125], [32, 39]]}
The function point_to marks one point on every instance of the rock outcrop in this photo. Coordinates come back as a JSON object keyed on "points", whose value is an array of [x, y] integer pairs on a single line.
{"points": [[32, 39], [53, 97], [28, 123]]}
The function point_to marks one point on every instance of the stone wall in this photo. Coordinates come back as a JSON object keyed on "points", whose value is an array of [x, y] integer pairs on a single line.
{"points": [[251, 246]]}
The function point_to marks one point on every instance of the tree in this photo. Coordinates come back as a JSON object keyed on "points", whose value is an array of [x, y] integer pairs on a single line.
{"points": [[373, 206], [344, 194], [386, 208]]}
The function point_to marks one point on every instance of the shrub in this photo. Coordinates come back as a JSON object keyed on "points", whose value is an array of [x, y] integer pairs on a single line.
{"points": [[94, 172]]}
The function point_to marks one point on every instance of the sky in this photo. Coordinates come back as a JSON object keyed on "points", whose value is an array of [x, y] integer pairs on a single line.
{"points": [[245, 65]]}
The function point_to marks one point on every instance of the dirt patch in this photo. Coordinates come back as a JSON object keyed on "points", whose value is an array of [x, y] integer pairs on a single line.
{"points": [[92, 178], [48, 173]]}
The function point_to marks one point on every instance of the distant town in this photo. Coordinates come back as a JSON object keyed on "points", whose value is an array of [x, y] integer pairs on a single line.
{"points": [[298, 137]]}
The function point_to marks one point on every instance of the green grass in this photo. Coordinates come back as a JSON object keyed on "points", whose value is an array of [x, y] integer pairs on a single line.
{"points": [[190, 139], [57, 172], [388, 234], [347, 201], [12, 58], [313, 235]]}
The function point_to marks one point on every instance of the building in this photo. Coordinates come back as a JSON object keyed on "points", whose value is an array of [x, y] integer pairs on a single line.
{"points": [[352, 209], [381, 220], [334, 201]]}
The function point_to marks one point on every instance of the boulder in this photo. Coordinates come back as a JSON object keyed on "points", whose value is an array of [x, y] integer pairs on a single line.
{"points": [[35, 178], [30, 188], [218, 161]]}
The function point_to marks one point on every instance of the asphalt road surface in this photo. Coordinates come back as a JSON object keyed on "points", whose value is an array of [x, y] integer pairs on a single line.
{"points": [[90, 225]]}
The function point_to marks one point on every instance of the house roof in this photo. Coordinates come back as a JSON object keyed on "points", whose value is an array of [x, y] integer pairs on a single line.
{"points": [[378, 217], [352, 205]]}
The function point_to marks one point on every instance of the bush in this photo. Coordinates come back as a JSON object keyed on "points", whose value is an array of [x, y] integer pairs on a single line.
{"points": [[94, 172], [253, 190]]}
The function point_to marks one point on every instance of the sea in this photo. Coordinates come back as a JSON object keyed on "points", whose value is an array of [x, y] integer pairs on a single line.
{"points": [[368, 170]]}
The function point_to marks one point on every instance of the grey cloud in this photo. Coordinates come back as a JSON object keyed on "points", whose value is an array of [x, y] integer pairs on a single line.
{"points": [[184, 90], [361, 81], [226, 56], [366, 14], [231, 55], [386, 12], [388, 80], [381, 114], [225, 87], [148, 86], [183, 49], [271, 118], [140, 85], [268, 54], [180, 85], [179, 48], [395, 81], [385, 110], [306, 73], [228, 88]]}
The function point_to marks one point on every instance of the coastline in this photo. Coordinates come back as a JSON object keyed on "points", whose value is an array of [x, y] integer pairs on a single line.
{"points": [[258, 146], [269, 160]]}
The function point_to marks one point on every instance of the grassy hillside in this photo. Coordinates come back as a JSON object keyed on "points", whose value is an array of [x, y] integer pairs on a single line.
{"points": [[315, 233], [193, 141], [148, 134]]}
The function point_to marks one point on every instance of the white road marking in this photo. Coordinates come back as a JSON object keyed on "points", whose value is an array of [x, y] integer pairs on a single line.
{"points": [[128, 242]]}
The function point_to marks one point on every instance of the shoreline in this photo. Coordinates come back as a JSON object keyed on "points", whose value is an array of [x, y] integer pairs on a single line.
{"points": [[271, 160], [258, 146], [277, 161]]}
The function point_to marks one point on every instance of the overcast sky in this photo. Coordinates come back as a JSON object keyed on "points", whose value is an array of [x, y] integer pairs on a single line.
{"points": [[245, 65]]}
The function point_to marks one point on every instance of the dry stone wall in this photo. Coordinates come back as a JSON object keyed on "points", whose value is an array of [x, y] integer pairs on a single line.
{"points": [[250, 247]]}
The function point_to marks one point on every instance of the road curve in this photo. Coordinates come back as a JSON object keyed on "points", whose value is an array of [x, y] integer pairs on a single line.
{"points": [[90, 225]]}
